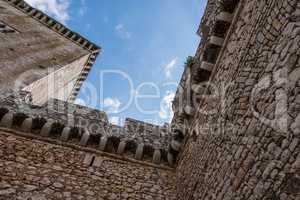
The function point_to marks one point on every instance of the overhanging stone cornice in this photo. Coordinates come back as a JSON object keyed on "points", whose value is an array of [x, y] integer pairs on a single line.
{"points": [[54, 25]]}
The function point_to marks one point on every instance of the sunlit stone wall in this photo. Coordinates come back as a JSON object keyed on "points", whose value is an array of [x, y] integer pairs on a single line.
{"points": [[31, 168], [244, 142]]}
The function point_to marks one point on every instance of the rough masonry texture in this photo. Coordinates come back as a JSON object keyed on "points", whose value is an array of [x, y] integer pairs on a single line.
{"points": [[235, 134], [86, 127], [34, 46], [33, 169], [242, 141]]}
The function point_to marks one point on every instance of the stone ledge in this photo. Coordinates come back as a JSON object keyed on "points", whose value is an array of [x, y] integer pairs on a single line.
{"points": [[216, 40], [225, 16], [82, 77], [207, 66], [54, 25]]}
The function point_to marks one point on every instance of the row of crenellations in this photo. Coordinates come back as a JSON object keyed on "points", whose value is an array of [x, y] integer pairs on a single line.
{"points": [[104, 142]]}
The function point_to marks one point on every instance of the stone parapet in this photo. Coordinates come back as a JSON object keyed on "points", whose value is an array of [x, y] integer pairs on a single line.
{"points": [[86, 127]]}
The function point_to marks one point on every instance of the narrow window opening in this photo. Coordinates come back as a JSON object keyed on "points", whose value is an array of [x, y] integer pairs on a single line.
{"points": [[92, 161]]}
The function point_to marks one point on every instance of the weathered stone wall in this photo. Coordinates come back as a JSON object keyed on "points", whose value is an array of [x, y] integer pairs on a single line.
{"points": [[28, 53], [68, 114], [88, 127], [147, 133], [244, 142], [57, 84], [45, 170]]}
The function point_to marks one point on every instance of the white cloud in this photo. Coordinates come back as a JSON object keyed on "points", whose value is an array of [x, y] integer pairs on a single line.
{"points": [[55, 8], [112, 105], [122, 32], [166, 111], [82, 11], [170, 67], [80, 102], [114, 120]]}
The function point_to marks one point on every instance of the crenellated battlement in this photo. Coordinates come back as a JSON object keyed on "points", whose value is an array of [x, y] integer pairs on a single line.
{"points": [[87, 127], [213, 30]]}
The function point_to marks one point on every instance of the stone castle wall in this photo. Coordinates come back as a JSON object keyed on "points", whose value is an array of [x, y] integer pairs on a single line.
{"points": [[244, 142], [66, 151], [65, 78], [84, 126], [31, 168], [32, 45], [235, 132]]}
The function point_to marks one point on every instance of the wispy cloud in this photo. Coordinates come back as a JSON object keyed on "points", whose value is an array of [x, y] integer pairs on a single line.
{"points": [[122, 32], [83, 8], [166, 112], [112, 105], [170, 67], [55, 8]]}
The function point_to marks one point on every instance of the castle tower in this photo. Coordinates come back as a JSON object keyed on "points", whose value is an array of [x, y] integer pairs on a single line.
{"points": [[40, 55]]}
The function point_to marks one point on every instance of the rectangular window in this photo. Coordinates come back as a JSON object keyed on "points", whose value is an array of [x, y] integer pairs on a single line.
{"points": [[4, 28]]}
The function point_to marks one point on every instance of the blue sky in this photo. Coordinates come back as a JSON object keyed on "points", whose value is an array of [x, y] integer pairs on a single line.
{"points": [[145, 44]]}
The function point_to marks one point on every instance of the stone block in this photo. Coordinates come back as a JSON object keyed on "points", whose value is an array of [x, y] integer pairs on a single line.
{"points": [[268, 170], [46, 129], [139, 152], [66, 133], [7, 120], [216, 40], [293, 144], [199, 89], [88, 159], [121, 147], [225, 16], [207, 66], [98, 162], [176, 145], [27, 125], [171, 159], [156, 157], [85, 138], [103, 142]]}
